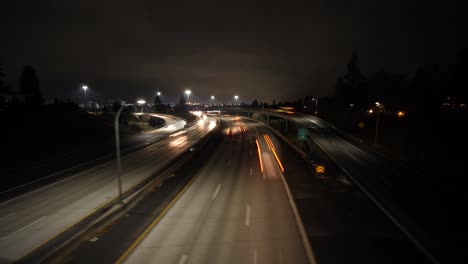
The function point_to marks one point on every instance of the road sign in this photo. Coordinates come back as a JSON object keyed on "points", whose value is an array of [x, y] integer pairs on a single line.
{"points": [[320, 169], [302, 134], [361, 124]]}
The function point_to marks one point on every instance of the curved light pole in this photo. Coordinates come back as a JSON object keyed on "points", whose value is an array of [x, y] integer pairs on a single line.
{"points": [[117, 148], [188, 92]]}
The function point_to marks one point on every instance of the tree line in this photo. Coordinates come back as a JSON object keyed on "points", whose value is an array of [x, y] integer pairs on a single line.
{"points": [[29, 89]]}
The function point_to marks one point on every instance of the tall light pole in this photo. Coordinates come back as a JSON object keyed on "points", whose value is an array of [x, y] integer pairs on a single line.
{"points": [[117, 148], [316, 106], [378, 105], [236, 97], [212, 99], [84, 87], [141, 103], [188, 92]]}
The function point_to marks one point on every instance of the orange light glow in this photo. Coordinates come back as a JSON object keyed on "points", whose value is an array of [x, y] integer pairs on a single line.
{"points": [[272, 148], [401, 114], [259, 156], [266, 140]]}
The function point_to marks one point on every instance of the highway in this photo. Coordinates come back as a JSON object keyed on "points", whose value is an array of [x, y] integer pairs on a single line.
{"points": [[49, 168], [394, 187], [232, 212], [29, 220]]}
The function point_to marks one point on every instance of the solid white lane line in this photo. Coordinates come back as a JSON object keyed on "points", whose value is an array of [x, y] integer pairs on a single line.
{"points": [[251, 172], [216, 192], [5, 217], [247, 215], [255, 256], [24, 227], [183, 259]]}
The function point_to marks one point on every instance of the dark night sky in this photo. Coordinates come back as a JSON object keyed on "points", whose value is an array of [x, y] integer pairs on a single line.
{"points": [[265, 50]]}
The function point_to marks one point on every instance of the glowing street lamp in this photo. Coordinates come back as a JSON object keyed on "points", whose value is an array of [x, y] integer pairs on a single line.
{"points": [[84, 87], [158, 93], [236, 97], [188, 92], [316, 106], [212, 99], [141, 102], [379, 107]]}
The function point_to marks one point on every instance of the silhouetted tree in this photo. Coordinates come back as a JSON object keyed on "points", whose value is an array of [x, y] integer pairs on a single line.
{"points": [[255, 103], [351, 87], [29, 87], [458, 72], [2, 77], [116, 106], [427, 84], [158, 106], [391, 88], [273, 104], [182, 107]]}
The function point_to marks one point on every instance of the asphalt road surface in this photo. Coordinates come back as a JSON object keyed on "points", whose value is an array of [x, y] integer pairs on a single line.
{"points": [[50, 168], [29, 220], [232, 212], [397, 188]]}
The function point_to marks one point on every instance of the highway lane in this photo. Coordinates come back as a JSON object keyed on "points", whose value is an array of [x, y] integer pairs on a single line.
{"points": [[232, 212], [397, 188], [80, 157], [31, 219]]}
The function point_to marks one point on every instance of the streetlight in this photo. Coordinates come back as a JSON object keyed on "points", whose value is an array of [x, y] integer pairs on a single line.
{"points": [[141, 103], [212, 99], [117, 148], [158, 93], [188, 92], [84, 87], [316, 106], [379, 107], [236, 97]]}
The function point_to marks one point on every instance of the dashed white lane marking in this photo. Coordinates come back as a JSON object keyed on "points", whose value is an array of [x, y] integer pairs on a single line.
{"points": [[5, 217], [94, 239], [24, 227], [216, 192], [183, 259], [247, 215]]}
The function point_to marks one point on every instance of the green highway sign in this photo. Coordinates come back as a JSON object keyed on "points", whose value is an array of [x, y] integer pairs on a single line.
{"points": [[302, 134]]}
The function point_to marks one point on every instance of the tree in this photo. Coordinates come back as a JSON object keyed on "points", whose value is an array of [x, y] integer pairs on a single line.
{"points": [[2, 77], [158, 106], [29, 87], [427, 85], [255, 103], [391, 88], [182, 104], [351, 87], [273, 104]]}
